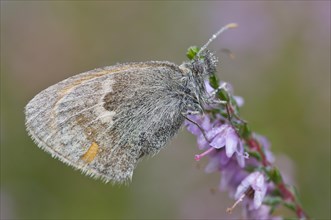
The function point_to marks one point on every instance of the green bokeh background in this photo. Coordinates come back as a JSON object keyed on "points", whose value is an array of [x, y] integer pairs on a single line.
{"points": [[282, 69]]}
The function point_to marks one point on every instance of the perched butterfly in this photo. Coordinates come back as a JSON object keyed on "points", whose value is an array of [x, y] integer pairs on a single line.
{"points": [[104, 121]]}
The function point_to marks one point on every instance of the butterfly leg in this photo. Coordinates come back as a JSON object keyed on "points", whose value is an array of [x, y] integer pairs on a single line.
{"points": [[195, 123], [213, 99]]}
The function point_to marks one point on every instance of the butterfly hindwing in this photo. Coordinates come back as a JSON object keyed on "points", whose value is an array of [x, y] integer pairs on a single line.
{"points": [[103, 121]]}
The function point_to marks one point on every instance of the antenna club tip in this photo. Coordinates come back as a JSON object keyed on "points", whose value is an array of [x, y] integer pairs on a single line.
{"points": [[232, 25]]}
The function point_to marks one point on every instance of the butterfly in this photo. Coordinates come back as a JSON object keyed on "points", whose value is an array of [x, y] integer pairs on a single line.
{"points": [[104, 121]]}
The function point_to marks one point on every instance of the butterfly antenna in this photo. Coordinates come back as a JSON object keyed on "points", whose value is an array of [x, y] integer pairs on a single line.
{"points": [[226, 27]]}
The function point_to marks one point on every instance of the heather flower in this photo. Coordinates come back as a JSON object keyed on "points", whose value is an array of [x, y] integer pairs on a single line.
{"points": [[217, 161], [266, 147], [225, 137], [224, 149], [221, 141], [254, 184], [216, 136], [231, 176], [262, 213]]}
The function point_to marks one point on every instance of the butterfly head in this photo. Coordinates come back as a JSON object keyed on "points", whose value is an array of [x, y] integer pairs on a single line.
{"points": [[204, 64]]}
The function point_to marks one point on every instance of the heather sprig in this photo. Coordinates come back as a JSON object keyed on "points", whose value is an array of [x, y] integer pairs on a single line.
{"points": [[242, 156]]}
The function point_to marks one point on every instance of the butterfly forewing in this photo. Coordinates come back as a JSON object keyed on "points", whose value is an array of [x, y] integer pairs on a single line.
{"points": [[103, 121]]}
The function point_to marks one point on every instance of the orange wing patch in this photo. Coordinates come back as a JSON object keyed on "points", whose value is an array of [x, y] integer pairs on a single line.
{"points": [[91, 153]]}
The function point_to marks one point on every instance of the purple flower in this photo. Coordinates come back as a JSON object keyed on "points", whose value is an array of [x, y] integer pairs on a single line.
{"points": [[220, 142], [262, 213], [226, 136], [266, 147], [224, 148], [231, 176], [239, 100], [218, 136], [254, 183], [217, 161]]}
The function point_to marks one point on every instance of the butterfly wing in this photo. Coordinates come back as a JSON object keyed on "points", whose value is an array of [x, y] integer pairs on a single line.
{"points": [[103, 121]]}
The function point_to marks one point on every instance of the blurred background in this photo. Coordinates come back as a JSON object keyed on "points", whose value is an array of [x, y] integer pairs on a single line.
{"points": [[282, 69]]}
